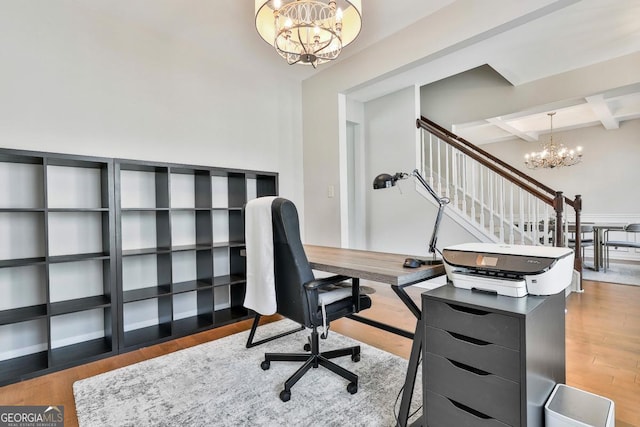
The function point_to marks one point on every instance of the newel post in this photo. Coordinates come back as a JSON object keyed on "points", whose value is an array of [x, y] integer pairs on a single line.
{"points": [[558, 206], [578, 261]]}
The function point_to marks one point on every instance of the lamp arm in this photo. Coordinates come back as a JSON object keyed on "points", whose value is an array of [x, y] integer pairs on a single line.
{"points": [[434, 234], [438, 199], [442, 202]]}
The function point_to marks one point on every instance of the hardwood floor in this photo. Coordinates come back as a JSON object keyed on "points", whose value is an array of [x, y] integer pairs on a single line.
{"points": [[603, 349]]}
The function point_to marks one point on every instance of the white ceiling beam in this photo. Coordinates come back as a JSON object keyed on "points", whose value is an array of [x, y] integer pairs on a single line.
{"points": [[496, 121], [601, 109]]}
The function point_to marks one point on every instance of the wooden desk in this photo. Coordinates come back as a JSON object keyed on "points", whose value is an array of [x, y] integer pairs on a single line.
{"points": [[384, 268]]}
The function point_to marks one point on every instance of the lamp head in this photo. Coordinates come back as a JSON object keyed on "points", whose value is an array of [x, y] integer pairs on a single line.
{"points": [[384, 180]]}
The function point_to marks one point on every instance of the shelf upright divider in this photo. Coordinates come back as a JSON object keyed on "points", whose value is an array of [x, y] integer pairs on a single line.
{"points": [[163, 239], [47, 265], [204, 241]]}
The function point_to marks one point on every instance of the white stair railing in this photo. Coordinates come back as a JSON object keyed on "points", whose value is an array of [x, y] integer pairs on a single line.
{"points": [[489, 202], [494, 204]]}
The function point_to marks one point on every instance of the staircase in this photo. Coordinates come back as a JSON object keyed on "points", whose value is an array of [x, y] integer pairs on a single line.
{"points": [[491, 199]]}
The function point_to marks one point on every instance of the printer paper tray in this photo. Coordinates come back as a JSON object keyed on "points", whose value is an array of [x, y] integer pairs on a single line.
{"points": [[509, 287]]}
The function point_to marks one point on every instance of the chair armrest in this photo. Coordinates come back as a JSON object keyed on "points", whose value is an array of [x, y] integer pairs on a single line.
{"points": [[313, 286], [324, 282]]}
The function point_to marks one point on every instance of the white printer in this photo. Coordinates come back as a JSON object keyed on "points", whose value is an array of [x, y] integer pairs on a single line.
{"points": [[513, 270]]}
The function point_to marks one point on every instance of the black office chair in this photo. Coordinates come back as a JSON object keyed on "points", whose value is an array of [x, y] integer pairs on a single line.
{"points": [[309, 301], [632, 244]]}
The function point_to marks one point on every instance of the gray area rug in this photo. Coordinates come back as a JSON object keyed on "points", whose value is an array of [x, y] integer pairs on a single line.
{"points": [[626, 274], [220, 383]]}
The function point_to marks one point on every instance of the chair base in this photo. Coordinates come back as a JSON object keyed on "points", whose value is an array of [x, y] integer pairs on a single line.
{"points": [[313, 360]]}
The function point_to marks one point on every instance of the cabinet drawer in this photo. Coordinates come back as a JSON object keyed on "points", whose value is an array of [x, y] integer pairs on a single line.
{"points": [[488, 357], [486, 393], [442, 412], [490, 327]]}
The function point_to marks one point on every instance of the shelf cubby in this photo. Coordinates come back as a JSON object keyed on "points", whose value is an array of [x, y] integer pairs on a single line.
{"points": [[145, 276], [136, 338], [237, 190], [219, 190], [147, 321], [23, 182], [77, 326], [23, 237], [24, 292], [87, 350], [22, 339], [17, 368]]}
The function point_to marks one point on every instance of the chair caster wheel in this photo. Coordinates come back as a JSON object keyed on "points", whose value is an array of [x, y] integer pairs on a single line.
{"points": [[307, 347], [265, 365], [355, 357], [285, 395], [352, 388]]}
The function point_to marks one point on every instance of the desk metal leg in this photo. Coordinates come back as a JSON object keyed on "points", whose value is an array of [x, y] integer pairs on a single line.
{"points": [[416, 350], [410, 380], [414, 357], [406, 299]]}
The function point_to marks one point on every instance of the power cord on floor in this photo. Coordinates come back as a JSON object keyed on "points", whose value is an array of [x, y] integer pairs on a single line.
{"points": [[395, 408]]}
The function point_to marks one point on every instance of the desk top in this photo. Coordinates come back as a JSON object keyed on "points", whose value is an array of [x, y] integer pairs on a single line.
{"points": [[375, 266]]}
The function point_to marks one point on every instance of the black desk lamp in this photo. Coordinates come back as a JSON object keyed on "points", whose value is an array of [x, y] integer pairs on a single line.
{"points": [[384, 180]]}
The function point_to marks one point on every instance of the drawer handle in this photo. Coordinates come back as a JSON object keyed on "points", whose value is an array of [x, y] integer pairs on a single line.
{"points": [[469, 368], [469, 410], [468, 339], [468, 310]]}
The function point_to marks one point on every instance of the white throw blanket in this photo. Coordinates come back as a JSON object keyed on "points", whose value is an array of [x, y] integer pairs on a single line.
{"points": [[261, 294]]}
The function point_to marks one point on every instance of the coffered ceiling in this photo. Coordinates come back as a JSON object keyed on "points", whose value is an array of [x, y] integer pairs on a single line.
{"points": [[607, 109]]}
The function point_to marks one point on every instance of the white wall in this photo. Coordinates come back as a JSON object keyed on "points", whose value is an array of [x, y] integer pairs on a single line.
{"points": [[399, 219], [78, 81]]}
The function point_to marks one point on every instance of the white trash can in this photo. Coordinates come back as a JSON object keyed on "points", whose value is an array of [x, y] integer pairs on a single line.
{"points": [[571, 407]]}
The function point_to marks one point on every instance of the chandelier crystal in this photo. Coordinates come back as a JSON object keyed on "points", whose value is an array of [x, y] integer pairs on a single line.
{"points": [[553, 155], [308, 31]]}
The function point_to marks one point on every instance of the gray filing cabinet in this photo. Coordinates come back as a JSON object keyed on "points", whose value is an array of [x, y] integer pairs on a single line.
{"points": [[490, 360]]}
